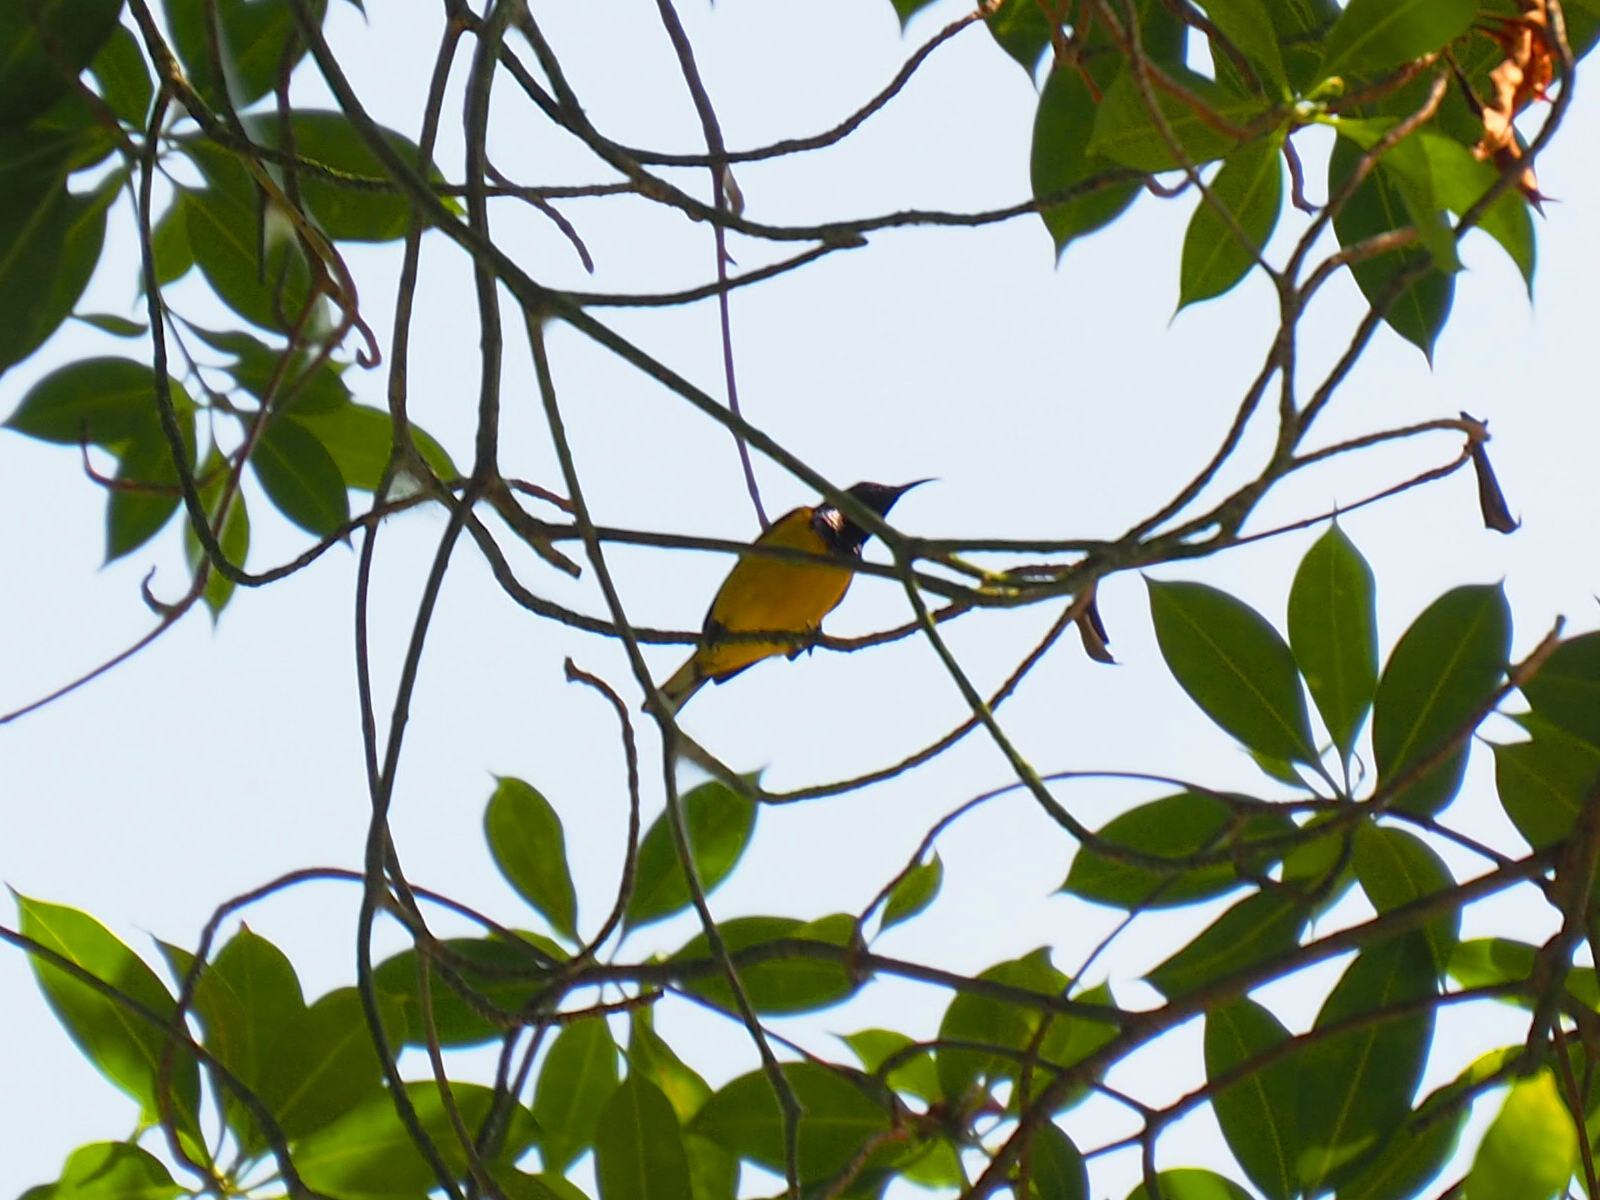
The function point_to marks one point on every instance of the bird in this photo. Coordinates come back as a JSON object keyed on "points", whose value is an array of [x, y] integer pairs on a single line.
{"points": [[764, 594]]}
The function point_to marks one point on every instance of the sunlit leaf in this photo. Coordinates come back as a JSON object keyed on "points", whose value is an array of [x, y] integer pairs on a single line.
{"points": [[639, 1152], [1250, 188], [718, 823], [1374, 35], [530, 848], [1333, 633], [913, 893]]}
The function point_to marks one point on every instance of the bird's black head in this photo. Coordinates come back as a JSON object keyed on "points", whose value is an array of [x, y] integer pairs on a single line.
{"points": [[845, 535]]}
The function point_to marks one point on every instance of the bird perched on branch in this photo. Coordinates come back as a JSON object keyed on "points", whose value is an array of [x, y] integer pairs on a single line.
{"points": [[766, 594]]}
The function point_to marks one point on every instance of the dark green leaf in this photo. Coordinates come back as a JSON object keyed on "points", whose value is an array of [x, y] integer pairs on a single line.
{"points": [[512, 972], [1248, 25], [46, 45], [1419, 312], [1192, 1183], [1250, 187], [1258, 1114], [718, 822], [1254, 929], [1412, 1157], [253, 36], [235, 536], [913, 893], [639, 1152], [146, 492], [1566, 691], [359, 212], [1333, 633], [303, 383], [109, 1171], [103, 401], [1235, 666], [368, 1152], [976, 1018], [1125, 132], [1356, 1087], [1395, 868], [906, 9], [843, 1110], [781, 984], [651, 1058], [1441, 674], [50, 240], [125, 1047], [1022, 30], [1544, 784], [322, 1064], [1531, 1150], [530, 848], [114, 325], [1061, 157], [1174, 827], [360, 440], [124, 78], [169, 243], [575, 1084], [301, 478], [1375, 35], [518, 1185], [1057, 1170]]}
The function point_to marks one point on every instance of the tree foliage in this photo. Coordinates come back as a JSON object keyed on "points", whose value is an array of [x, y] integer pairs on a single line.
{"points": [[182, 119]]}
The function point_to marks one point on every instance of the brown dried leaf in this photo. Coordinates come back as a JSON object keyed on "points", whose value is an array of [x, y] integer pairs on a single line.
{"points": [[1522, 77]]}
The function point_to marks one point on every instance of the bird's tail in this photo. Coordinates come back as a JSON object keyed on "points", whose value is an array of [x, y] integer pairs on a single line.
{"points": [[685, 682]]}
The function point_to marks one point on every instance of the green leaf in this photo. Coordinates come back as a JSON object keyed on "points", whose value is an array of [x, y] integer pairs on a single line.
{"points": [[1544, 784], [530, 848], [235, 536], [1061, 158], [1259, 1113], [518, 1185], [1192, 1183], [169, 243], [1022, 30], [1057, 1170], [253, 38], [1395, 868], [104, 401], [915, 1074], [1416, 1153], [639, 1152], [46, 45], [512, 972], [322, 1064], [368, 1152], [1235, 666], [975, 1018], [50, 240], [1443, 671], [1175, 827], [1250, 187], [1375, 35], [1460, 181], [360, 439], [1254, 929], [718, 822], [110, 1171], [913, 893], [357, 213], [248, 254], [114, 325], [575, 1084], [301, 383], [842, 1111], [125, 1047], [1248, 25], [1531, 1150], [1333, 633], [1356, 1087], [146, 492], [1419, 312], [124, 79], [651, 1058], [1125, 132], [1566, 691], [906, 9], [1487, 961], [781, 984], [301, 478]]}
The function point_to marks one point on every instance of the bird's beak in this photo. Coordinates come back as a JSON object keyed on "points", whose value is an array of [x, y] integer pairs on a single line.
{"points": [[906, 487]]}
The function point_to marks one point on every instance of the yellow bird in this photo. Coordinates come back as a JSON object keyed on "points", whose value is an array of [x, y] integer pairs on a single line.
{"points": [[771, 595]]}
